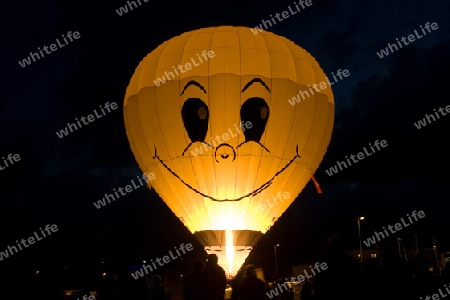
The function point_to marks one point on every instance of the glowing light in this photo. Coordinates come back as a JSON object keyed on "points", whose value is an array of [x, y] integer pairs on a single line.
{"points": [[238, 254], [229, 249], [228, 201]]}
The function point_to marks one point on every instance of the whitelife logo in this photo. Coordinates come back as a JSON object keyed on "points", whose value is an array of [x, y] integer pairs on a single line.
{"points": [[199, 150], [430, 118], [275, 293], [35, 56], [31, 240], [360, 155], [391, 48], [437, 296], [188, 67], [86, 297], [263, 207], [166, 259], [284, 15], [372, 241], [322, 86], [128, 189], [90, 118], [124, 9], [11, 158]]}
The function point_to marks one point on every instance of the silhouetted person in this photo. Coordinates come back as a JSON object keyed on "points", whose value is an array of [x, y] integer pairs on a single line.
{"points": [[142, 289], [157, 291], [127, 287], [340, 279], [306, 292], [215, 279], [108, 289], [194, 283], [446, 273], [252, 288], [423, 279], [235, 285], [396, 277], [422, 264]]}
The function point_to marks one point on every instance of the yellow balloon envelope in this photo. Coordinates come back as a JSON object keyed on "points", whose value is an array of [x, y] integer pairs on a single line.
{"points": [[208, 113]]}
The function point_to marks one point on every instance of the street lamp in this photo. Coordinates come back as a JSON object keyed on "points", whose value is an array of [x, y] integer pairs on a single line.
{"points": [[360, 242], [276, 259]]}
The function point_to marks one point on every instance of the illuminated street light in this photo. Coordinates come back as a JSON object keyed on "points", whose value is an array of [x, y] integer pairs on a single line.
{"points": [[276, 259], [360, 242]]}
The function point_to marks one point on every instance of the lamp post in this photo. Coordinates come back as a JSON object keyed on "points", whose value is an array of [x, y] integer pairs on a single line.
{"points": [[276, 259], [435, 250], [360, 242]]}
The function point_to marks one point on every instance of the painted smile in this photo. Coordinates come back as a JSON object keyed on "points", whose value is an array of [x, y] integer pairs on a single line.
{"points": [[255, 192]]}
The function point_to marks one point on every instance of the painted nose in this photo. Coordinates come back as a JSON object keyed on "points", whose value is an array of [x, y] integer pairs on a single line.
{"points": [[225, 152]]}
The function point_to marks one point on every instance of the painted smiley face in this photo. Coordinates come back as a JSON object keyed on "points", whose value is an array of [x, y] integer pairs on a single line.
{"points": [[218, 130], [254, 115]]}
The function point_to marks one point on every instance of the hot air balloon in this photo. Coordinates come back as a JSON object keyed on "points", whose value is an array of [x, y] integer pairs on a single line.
{"points": [[220, 135]]}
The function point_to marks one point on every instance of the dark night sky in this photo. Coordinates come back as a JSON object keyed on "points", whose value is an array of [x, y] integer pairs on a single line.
{"points": [[57, 180]]}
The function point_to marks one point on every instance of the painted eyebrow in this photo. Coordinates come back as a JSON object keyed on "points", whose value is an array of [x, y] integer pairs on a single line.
{"points": [[193, 82], [253, 81]]}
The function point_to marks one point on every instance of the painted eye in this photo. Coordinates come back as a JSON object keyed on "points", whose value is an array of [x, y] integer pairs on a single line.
{"points": [[195, 116], [256, 111]]}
